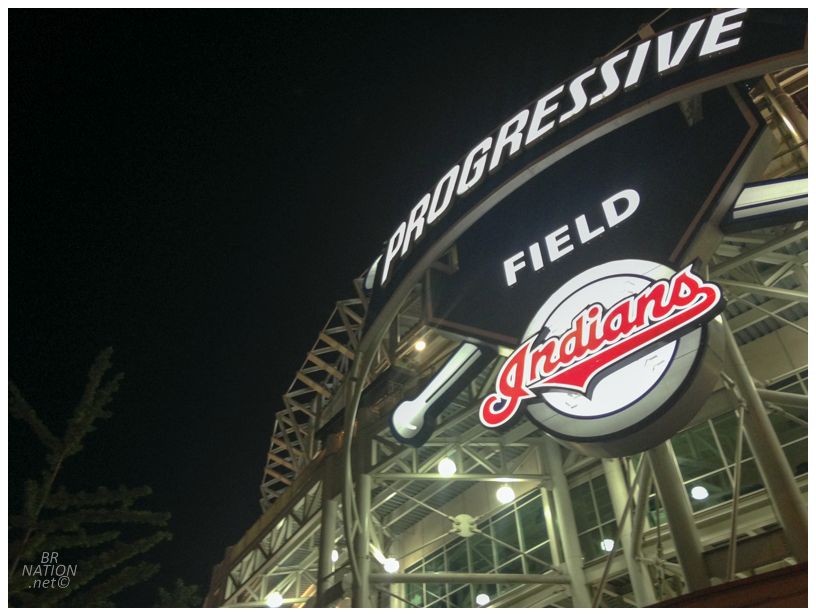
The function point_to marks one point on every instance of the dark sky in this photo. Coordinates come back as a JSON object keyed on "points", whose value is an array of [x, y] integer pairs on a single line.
{"points": [[197, 189]]}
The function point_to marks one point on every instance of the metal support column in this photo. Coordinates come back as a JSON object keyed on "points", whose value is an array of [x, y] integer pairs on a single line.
{"points": [[360, 592], [573, 559], [555, 557], [638, 572], [795, 121], [642, 491], [678, 511], [773, 466], [325, 566]]}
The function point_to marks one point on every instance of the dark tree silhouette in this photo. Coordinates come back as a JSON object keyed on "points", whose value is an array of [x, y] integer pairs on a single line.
{"points": [[180, 595], [97, 528]]}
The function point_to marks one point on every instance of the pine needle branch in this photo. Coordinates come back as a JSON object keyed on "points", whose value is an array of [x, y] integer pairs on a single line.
{"points": [[20, 409], [63, 500], [99, 595]]}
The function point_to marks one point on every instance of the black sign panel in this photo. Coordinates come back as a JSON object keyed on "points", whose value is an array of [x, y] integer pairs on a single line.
{"points": [[654, 177], [673, 167]]}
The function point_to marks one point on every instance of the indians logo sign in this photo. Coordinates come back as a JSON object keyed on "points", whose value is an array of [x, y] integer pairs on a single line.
{"points": [[614, 344]]}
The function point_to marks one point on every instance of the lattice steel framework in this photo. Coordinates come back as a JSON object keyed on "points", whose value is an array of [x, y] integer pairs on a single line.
{"points": [[406, 510]]}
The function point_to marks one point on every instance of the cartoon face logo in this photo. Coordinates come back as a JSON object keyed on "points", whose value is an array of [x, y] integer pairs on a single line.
{"points": [[607, 353]]}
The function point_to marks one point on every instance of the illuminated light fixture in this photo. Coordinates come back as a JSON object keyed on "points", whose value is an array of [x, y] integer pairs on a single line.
{"points": [[390, 564], [771, 197], [411, 416], [274, 599], [446, 467], [505, 494], [607, 545], [699, 493], [482, 599], [505, 352], [335, 556], [420, 345]]}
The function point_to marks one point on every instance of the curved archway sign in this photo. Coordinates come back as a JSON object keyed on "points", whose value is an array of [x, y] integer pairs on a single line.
{"points": [[602, 173]]}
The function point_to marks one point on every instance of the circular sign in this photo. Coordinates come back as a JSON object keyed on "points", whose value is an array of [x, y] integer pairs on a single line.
{"points": [[616, 360]]}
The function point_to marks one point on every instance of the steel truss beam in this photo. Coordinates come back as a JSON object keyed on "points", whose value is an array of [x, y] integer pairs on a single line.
{"points": [[770, 264]]}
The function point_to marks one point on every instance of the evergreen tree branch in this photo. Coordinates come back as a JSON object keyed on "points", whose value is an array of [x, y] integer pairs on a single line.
{"points": [[72, 520], [180, 595], [91, 407], [56, 519], [99, 595], [62, 499], [31, 500], [93, 404], [90, 568], [57, 543], [20, 409]]}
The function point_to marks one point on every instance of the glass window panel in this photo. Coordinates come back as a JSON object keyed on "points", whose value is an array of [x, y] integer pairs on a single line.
{"points": [[697, 452], [457, 557], [435, 563], [513, 566], [786, 429], [797, 454], [717, 489], [460, 596], [503, 588], [653, 512], [505, 530], [590, 544], [503, 514], [481, 554], [435, 593], [413, 592], [602, 499], [750, 480], [726, 427], [790, 383], [683, 449], [533, 526], [583, 507], [542, 553]]}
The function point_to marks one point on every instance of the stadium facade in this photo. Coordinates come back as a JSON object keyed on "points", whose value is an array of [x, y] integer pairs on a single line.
{"points": [[399, 473]]}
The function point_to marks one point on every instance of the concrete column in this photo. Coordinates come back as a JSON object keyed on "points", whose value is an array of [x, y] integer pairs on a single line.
{"points": [[642, 586], [773, 466], [325, 566], [568, 532], [360, 595], [681, 520]]}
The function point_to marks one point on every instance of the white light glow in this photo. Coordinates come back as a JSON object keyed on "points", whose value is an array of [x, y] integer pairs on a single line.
{"points": [[607, 545], [377, 554], [420, 345], [335, 556], [446, 467], [274, 599], [482, 599], [391, 565], [699, 493], [505, 494]]}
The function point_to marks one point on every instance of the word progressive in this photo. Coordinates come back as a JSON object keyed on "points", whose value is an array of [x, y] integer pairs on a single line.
{"points": [[589, 89]]}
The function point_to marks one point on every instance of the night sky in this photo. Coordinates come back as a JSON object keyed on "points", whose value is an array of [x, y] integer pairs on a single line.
{"points": [[197, 189]]}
